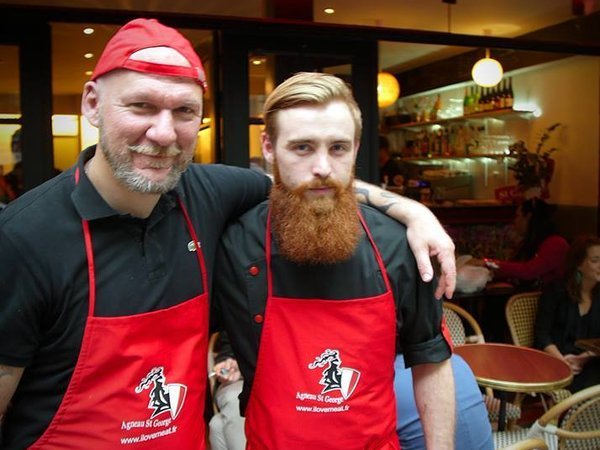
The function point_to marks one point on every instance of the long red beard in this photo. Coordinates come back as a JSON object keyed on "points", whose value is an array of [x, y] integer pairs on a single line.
{"points": [[316, 231]]}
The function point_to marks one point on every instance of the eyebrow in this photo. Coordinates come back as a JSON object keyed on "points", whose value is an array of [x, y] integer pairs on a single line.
{"points": [[313, 141]]}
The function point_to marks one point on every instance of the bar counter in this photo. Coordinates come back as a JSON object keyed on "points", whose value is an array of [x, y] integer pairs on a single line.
{"points": [[472, 212]]}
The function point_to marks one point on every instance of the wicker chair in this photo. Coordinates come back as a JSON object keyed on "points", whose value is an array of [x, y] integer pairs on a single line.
{"points": [[572, 424], [527, 444], [521, 310], [456, 318]]}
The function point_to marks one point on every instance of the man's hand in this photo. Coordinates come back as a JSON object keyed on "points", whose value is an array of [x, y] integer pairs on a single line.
{"points": [[428, 239], [426, 236], [227, 371]]}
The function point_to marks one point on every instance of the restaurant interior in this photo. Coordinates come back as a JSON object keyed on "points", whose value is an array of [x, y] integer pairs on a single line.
{"points": [[453, 136]]}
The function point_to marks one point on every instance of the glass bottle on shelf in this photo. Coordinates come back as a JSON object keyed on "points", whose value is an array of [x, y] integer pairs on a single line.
{"points": [[509, 94]]}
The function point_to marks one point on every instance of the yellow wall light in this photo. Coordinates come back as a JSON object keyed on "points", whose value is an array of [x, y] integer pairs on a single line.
{"points": [[388, 89]]}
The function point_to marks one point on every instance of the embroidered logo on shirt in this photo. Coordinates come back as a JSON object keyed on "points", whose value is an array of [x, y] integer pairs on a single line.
{"points": [[335, 377], [164, 398]]}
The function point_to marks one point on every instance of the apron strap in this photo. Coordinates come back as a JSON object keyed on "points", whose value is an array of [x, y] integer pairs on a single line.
{"points": [[378, 257], [89, 251]]}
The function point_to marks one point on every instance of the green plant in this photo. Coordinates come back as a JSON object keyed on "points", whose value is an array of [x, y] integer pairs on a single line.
{"points": [[533, 169]]}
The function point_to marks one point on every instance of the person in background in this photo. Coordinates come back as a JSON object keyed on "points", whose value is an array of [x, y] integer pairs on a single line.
{"points": [[571, 310], [312, 291], [106, 267], [539, 257], [473, 428], [14, 178], [390, 174], [6, 192], [226, 427]]}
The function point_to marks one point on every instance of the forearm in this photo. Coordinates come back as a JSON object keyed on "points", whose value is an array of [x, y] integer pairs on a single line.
{"points": [[425, 234], [435, 399], [9, 380], [403, 209], [553, 350]]}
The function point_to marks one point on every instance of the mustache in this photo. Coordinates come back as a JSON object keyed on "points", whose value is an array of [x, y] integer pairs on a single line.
{"points": [[317, 184], [154, 150]]}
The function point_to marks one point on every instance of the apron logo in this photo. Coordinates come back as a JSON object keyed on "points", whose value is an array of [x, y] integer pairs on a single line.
{"points": [[164, 398], [334, 376]]}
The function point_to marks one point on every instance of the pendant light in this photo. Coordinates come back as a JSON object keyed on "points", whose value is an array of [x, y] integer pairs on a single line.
{"points": [[388, 89], [487, 72]]}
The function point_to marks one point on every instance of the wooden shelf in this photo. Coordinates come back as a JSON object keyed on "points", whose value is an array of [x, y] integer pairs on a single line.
{"points": [[503, 114]]}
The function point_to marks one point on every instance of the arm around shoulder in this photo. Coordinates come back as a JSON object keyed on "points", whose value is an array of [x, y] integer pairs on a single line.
{"points": [[426, 235]]}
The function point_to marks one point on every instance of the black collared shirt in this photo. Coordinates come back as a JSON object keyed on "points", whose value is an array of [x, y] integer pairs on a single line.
{"points": [[141, 265], [240, 287]]}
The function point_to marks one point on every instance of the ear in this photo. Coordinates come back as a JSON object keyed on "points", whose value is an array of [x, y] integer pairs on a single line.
{"points": [[268, 150], [90, 103], [356, 149]]}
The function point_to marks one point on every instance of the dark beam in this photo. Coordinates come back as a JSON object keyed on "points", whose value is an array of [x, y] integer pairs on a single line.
{"points": [[298, 28]]}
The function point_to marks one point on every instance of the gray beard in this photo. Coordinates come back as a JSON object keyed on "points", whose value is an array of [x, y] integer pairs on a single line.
{"points": [[124, 172]]}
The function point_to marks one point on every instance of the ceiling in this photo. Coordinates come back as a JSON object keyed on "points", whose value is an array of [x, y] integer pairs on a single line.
{"points": [[506, 18]]}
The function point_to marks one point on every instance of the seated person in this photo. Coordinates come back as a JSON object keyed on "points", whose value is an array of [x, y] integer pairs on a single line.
{"points": [[538, 259], [226, 427], [571, 311], [473, 429], [390, 174]]}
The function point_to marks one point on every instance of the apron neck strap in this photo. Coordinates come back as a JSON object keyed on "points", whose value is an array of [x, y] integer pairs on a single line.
{"points": [[89, 251], [268, 235]]}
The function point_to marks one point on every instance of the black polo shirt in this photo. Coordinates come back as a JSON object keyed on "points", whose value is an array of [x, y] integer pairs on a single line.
{"points": [[141, 265], [240, 287]]}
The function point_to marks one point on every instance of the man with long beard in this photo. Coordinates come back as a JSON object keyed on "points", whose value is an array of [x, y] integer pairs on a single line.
{"points": [[316, 293]]}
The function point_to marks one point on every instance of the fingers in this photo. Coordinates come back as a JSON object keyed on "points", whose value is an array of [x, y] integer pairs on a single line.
{"points": [[447, 282], [424, 263]]}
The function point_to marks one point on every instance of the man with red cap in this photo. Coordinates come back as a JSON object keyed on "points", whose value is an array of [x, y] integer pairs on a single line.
{"points": [[107, 267]]}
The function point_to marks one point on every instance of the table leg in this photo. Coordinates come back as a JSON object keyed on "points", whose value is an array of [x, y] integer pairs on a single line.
{"points": [[502, 412]]}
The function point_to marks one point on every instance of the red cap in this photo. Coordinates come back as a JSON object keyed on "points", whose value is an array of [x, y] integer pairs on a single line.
{"points": [[140, 34]]}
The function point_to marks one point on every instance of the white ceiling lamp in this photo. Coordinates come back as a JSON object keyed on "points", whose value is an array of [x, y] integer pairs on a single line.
{"points": [[388, 89], [487, 72]]}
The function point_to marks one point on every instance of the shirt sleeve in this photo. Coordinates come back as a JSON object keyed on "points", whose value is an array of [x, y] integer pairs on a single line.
{"points": [[21, 306], [240, 189], [549, 258], [420, 338]]}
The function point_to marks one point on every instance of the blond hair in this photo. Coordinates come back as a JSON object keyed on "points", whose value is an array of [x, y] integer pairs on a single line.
{"points": [[309, 88]]}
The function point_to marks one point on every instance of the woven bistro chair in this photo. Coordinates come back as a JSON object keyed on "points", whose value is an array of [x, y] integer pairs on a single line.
{"points": [[527, 444], [520, 311], [572, 424], [456, 318]]}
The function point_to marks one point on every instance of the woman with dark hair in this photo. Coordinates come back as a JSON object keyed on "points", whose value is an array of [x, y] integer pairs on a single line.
{"points": [[571, 311], [540, 254]]}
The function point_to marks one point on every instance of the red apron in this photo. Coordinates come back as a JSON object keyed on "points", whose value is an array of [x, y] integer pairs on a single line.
{"points": [[140, 380], [325, 372]]}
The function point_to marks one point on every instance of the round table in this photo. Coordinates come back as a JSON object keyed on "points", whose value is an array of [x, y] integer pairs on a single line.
{"points": [[511, 368]]}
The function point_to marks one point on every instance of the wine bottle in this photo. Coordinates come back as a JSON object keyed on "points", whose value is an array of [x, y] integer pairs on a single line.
{"points": [[510, 99], [466, 100]]}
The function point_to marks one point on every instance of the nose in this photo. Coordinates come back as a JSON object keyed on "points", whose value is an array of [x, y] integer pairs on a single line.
{"points": [[162, 129], [322, 165]]}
